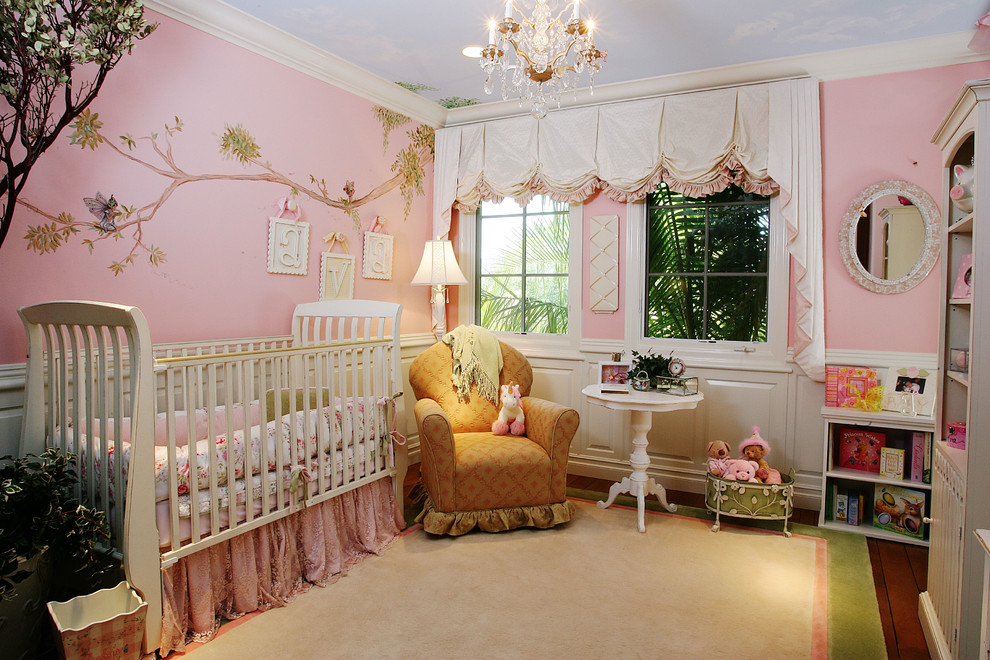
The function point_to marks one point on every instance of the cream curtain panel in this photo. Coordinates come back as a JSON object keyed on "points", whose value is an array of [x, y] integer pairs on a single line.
{"points": [[765, 138]]}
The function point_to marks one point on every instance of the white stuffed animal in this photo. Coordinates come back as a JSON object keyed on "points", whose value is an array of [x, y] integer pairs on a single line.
{"points": [[510, 417], [961, 193]]}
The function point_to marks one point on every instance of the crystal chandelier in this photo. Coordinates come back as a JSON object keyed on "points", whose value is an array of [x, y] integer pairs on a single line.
{"points": [[550, 54]]}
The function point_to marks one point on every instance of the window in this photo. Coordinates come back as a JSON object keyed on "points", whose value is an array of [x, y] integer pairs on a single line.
{"points": [[522, 265], [706, 266]]}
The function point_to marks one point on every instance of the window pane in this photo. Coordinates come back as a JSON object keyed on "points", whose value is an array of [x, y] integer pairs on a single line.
{"points": [[737, 308], [739, 237], [546, 244], [676, 240], [507, 206], [502, 243], [501, 304], [676, 307], [523, 260], [695, 253], [546, 304]]}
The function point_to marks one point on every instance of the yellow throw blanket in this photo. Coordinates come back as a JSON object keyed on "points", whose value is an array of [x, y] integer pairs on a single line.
{"points": [[477, 360]]}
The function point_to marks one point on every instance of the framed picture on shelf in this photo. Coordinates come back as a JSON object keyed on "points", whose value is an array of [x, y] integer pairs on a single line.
{"points": [[846, 386], [910, 390], [614, 376], [963, 288]]}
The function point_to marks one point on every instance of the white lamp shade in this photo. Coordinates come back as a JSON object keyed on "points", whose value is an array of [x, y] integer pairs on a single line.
{"points": [[439, 265]]}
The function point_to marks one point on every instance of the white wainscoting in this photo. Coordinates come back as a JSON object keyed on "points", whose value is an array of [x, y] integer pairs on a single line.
{"points": [[784, 403]]}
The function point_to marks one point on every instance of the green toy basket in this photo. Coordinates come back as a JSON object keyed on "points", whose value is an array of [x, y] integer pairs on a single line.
{"points": [[742, 499]]}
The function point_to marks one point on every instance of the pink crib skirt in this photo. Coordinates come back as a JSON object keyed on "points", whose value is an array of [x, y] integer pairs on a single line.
{"points": [[269, 566]]}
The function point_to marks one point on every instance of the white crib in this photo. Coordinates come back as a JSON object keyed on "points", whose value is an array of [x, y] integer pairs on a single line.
{"points": [[207, 441]]}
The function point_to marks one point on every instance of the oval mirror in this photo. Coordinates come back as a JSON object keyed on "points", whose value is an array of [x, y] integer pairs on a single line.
{"points": [[889, 238]]}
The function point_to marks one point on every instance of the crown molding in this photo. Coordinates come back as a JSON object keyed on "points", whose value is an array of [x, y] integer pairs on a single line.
{"points": [[929, 52], [234, 26]]}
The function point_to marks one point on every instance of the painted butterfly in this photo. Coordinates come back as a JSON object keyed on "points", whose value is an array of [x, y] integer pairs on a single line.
{"points": [[104, 209]]}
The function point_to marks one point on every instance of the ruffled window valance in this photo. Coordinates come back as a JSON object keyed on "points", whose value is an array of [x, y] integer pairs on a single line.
{"points": [[765, 138]]}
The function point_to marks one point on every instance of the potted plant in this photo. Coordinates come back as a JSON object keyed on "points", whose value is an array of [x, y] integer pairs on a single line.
{"points": [[43, 526], [655, 365]]}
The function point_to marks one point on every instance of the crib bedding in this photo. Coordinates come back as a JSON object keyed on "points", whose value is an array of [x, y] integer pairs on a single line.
{"points": [[309, 441], [260, 486]]}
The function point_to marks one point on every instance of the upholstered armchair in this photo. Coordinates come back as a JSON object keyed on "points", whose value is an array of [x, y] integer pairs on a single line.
{"points": [[474, 478]]}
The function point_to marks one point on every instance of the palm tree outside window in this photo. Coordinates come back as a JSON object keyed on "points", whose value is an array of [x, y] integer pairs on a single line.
{"points": [[522, 266], [707, 266]]}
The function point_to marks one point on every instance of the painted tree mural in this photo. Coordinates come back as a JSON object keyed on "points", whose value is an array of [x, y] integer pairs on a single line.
{"points": [[115, 220], [54, 57]]}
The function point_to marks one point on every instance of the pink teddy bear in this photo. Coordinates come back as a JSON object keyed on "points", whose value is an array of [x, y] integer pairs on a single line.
{"points": [[510, 418], [740, 469]]}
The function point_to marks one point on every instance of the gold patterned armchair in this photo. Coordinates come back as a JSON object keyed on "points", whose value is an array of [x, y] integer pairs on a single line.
{"points": [[474, 478]]}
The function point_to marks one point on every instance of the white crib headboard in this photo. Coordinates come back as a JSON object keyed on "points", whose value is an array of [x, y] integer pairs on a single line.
{"points": [[338, 321], [89, 367]]}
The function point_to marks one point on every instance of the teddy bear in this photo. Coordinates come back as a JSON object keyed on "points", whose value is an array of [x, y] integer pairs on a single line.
{"points": [[718, 456], [739, 469], [510, 418], [755, 448]]}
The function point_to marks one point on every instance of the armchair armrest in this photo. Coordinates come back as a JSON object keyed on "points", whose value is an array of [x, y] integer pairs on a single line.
{"points": [[552, 426], [436, 448]]}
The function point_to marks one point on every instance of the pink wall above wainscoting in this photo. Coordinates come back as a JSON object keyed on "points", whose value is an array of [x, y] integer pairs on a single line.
{"points": [[214, 283], [877, 128]]}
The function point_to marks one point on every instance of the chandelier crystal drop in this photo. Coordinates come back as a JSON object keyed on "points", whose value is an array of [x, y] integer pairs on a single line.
{"points": [[551, 52]]}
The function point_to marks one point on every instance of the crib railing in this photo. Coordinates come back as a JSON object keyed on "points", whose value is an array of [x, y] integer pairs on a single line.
{"points": [[342, 392]]}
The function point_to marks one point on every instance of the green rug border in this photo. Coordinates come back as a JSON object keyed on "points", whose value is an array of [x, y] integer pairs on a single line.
{"points": [[854, 628]]}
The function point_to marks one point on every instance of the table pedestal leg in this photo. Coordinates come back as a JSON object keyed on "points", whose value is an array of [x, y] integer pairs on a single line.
{"points": [[638, 484]]}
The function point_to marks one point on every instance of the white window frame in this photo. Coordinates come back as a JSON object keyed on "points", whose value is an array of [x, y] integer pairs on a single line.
{"points": [[769, 355], [547, 345]]}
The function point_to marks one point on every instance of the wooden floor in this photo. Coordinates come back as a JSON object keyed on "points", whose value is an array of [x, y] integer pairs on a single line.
{"points": [[900, 572]]}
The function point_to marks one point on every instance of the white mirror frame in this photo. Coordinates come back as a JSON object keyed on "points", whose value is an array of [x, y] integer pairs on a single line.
{"points": [[929, 253]]}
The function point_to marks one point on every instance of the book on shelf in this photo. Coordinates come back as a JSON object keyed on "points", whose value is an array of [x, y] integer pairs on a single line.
{"points": [[859, 449], [918, 442], [900, 510], [892, 462], [926, 470], [855, 507], [841, 504]]}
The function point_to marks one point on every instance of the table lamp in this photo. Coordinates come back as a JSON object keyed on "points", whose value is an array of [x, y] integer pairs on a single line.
{"points": [[439, 269]]}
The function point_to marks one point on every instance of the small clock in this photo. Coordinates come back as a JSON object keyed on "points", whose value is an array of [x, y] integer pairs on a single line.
{"points": [[675, 367]]}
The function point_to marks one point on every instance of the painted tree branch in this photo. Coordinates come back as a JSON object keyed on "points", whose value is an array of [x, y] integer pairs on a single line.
{"points": [[235, 143]]}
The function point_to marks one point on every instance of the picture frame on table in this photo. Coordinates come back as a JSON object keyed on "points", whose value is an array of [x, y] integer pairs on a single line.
{"points": [[910, 390], [614, 376]]}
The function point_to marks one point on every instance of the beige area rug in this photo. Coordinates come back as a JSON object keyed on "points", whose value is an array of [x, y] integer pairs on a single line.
{"points": [[594, 588]]}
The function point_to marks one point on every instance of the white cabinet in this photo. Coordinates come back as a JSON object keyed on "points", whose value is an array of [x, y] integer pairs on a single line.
{"points": [[950, 608], [853, 483]]}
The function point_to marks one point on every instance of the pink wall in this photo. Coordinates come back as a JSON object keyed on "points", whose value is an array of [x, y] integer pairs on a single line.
{"points": [[873, 128], [877, 128], [215, 282]]}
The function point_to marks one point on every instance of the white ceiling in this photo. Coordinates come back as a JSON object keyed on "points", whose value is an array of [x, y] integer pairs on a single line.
{"points": [[419, 41]]}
